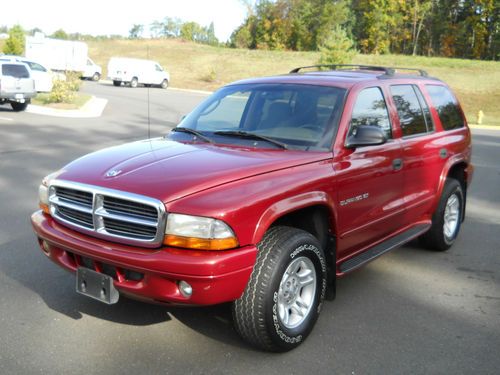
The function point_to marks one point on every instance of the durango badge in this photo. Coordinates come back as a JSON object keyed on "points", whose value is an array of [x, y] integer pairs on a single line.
{"points": [[113, 173]]}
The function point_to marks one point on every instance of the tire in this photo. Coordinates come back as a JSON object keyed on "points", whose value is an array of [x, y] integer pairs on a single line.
{"points": [[266, 314], [164, 84], [447, 218], [117, 83], [134, 82], [19, 107], [96, 77]]}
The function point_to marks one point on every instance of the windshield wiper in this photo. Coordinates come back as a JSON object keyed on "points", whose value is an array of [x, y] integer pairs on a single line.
{"points": [[248, 135], [181, 129]]}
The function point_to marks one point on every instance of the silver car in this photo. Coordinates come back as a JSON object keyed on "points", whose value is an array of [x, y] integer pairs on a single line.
{"points": [[17, 86]]}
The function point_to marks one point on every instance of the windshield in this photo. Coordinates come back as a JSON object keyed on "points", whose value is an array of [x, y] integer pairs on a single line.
{"points": [[301, 117]]}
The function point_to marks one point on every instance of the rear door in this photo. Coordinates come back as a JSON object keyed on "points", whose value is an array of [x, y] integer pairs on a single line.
{"points": [[370, 180], [423, 153], [43, 79]]}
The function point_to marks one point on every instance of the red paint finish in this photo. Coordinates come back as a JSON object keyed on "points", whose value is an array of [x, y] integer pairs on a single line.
{"points": [[216, 277], [366, 198]]}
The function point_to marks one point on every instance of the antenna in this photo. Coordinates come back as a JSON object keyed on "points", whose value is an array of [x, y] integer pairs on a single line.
{"points": [[149, 120]]}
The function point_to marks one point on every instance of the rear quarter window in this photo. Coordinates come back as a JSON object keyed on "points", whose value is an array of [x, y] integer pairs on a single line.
{"points": [[14, 70], [446, 106]]}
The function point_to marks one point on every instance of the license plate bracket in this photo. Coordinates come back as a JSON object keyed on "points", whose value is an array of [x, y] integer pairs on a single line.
{"points": [[96, 285]]}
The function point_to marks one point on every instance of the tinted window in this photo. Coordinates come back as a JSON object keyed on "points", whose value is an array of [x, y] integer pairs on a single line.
{"points": [[446, 106], [425, 108], [410, 113], [300, 116], [370, 109], [17, 71]]}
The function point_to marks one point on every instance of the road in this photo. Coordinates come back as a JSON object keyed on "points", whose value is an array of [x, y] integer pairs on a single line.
{"points": [[409, 312]]}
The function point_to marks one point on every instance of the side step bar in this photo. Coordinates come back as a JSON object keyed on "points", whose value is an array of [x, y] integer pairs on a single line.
{"points": [[381, 248]]}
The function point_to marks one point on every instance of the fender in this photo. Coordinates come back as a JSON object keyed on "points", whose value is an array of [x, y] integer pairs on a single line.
{"points": [[287, 205], [450, 163]]}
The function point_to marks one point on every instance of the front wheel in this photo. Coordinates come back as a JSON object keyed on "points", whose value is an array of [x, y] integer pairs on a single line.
{"points": [[446, 219], [96, 77], [283, 298], [164, 84]]}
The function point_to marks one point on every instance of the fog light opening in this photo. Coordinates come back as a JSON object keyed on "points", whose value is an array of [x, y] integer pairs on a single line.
{"points": [[185, 289], [45, 247]]}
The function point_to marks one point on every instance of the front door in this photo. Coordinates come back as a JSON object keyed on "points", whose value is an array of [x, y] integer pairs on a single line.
{"points": [[370, 180]]}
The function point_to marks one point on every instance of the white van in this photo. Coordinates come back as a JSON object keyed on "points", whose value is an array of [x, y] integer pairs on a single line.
{"points": [[92, 71], [137, 71]]}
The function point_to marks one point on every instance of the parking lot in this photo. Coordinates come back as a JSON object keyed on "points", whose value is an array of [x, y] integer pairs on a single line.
{"points": [[411, 311]]}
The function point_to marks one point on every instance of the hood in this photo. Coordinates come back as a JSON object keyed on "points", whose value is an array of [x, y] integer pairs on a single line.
{"points": [[169, 170]]}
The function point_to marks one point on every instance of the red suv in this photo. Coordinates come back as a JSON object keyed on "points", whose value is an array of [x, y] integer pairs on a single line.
{"points": [[265, 194]]}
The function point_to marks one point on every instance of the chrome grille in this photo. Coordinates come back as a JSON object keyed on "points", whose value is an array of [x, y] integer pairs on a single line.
{"points": [[80, 218], [121, 206], [109, 214]]}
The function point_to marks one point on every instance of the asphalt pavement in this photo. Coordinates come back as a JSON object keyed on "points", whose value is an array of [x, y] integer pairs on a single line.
{"points": [[411, 311]]}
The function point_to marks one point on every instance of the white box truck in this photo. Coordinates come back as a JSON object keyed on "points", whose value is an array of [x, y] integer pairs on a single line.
{"points": [[137, 71], [62, 55]]}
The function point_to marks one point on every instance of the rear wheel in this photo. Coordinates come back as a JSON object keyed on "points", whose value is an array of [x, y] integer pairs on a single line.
{"points": [[283, 298], [164, 84], [134, 82], [18, 107], [446, 219]]}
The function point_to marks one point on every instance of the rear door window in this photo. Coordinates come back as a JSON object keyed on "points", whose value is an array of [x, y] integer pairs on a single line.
{"points": [[14, 70], [446, 106], [370, 109], [37, 67], [411, 115]]}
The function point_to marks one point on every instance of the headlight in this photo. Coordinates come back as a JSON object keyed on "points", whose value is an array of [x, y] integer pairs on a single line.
{"points": [[43, 192], [196, 232]]}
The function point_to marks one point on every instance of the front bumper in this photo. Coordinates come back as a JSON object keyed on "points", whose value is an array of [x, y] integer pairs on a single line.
{"points": [[150, 274]]}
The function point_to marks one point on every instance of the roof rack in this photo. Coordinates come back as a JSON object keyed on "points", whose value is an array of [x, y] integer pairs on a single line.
{"points": [[388, 71]]}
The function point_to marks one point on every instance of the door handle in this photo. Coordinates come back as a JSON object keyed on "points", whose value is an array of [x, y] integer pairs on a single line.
{"points": [[397, 164]]}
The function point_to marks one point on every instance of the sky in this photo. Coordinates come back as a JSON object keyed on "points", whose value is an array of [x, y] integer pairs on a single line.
{"points": [[102, 17]]}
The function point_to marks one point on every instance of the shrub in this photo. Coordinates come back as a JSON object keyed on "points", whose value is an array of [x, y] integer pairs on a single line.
{"points": [[211, 75], [64, 90]]}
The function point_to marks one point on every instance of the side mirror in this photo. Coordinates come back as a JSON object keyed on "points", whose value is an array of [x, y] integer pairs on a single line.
{"points": [[366, 135]]}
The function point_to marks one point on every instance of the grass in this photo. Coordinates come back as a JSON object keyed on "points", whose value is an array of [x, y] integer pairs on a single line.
{"points": [[202, 67], [78, 102]]}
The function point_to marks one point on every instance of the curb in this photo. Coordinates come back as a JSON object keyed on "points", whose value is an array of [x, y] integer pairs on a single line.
{"points": [[93, 108], [484, 127], [109, 82]]}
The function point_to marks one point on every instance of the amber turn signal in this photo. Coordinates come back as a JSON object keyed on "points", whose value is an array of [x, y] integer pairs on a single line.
{"points": [[45, 208], [201, 243]]}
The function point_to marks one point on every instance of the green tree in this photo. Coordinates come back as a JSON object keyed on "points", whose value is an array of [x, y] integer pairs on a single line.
{"points": [[136, 31], [211, 38], [156, 29], [172, 27], [60, 34], [337, 47], [14, 44]]}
